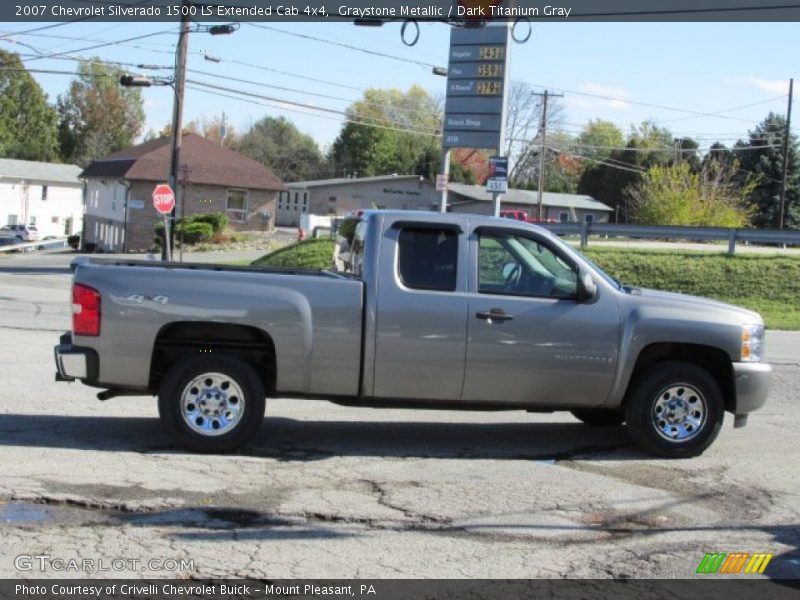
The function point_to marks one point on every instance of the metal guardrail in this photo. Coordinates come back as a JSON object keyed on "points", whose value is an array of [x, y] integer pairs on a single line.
{"points": [[732, 236], [42, 244]]}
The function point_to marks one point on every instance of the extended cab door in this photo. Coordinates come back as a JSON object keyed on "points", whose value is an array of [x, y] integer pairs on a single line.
{"points": [[531, 342], [421, 315]]}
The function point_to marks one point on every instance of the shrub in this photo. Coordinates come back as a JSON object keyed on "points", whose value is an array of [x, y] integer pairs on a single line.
{"points": [[217, 220], [348, 228], [192, 233]]}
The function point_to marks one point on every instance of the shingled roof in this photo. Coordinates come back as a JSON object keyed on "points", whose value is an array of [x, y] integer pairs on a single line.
{"points": [[209, 164]]}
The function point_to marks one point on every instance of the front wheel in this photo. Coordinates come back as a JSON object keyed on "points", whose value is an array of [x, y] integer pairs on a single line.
{"points": [[211, 403], [675, 410]]}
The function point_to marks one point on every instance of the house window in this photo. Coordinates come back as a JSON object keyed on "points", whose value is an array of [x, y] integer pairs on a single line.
{"points": [[237, 205], [331, 199], [33, 221], [589, 218], [563, 217], [44, 193], [54, 220]]}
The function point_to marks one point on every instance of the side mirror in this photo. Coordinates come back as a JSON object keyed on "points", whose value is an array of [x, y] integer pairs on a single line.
{"points": [[587, 288], [508, 269]]}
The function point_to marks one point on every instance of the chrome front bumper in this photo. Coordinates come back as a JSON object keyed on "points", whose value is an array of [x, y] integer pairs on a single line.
{"points": [[752, 381]]}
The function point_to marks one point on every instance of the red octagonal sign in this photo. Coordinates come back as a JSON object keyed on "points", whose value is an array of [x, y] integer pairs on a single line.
{"points": [[163, 198]]}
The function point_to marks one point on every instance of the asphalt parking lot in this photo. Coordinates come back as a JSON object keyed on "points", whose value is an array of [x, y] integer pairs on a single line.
{"points": [[334, 492]]}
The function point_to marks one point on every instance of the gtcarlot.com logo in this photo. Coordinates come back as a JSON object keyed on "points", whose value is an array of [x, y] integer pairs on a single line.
{"points": [[733, 563], [45, 562]]}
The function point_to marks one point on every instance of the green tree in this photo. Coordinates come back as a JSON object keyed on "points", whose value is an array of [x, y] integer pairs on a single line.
{"points": [[762, 155], [647, 146], [599, 138], [97, 116], [27, 121], [678, 195], [389, 131], [276, 143]]}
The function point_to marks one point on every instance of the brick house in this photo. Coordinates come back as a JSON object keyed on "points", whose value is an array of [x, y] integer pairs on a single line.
{"points": [[119, 210]]}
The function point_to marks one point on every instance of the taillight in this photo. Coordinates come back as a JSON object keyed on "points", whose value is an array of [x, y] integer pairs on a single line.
{"points": [[85, 310]]}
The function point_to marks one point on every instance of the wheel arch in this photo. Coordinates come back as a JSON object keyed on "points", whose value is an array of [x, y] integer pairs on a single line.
{"points": [[712, 359], [179, 340]]}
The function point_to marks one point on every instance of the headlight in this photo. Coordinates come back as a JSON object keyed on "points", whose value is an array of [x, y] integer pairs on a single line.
{"points": [[752, 342]]}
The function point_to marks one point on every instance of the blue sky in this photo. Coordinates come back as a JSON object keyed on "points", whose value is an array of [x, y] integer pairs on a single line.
{"points": [[703, 67]]}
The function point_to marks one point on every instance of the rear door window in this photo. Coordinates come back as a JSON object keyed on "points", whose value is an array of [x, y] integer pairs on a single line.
{"points": [[428, 258]]}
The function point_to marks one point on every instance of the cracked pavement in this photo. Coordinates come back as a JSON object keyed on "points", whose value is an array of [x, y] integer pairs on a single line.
{"points": [[335, 492]]}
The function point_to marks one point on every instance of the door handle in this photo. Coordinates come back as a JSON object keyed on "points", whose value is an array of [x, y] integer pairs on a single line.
{"points": [[494, 314]]}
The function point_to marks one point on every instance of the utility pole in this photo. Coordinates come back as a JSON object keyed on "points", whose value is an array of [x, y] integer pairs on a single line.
{"points": [[185, 170], [177, 112], [786, 154], [222, 130], [545, 95]]}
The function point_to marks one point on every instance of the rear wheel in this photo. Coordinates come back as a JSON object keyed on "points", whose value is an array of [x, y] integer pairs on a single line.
{"points": [[211, 403], [600, 417], [675, 410]]}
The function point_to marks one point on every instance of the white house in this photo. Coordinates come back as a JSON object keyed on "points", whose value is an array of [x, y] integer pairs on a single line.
{"points": [[47, 195]]}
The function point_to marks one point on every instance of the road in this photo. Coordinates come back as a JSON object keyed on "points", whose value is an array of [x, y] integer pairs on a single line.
{"points": [[336, 492]]}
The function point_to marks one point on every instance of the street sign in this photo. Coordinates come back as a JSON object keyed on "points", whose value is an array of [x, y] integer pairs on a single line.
{"points": [[476, 87], [470, 122], [441, 183], [470, 139], [163, 198], [498, 175]]}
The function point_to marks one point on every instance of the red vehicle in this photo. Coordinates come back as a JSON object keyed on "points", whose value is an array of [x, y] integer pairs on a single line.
{"points": [[521, 215]]}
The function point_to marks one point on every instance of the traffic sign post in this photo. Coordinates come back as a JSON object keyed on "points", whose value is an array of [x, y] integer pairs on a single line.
{"points": [[497, 182], [164, 203]]}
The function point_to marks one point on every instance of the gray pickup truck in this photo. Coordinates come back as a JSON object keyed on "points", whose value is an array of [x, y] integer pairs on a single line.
{"points": [[432, 311]]}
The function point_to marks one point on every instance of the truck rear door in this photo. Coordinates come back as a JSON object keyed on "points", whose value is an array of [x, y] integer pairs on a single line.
{"points": [[420, 340]]}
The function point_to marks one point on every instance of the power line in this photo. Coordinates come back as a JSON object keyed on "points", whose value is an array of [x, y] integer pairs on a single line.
{"points": [[304, 92], [306, 112], [598, 161], [103, 45], [648, 104], [344, 45], [735, 108], [286, 73], [656, 148], [405, 127]]}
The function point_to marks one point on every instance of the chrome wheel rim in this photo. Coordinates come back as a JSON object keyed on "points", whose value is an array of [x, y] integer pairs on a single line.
{"points": [[679, 412], [212, 404]]}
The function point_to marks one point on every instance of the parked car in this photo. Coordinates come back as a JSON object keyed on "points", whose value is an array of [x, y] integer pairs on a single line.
{"points": [[442, 311], [521, 215], [23, 233]]}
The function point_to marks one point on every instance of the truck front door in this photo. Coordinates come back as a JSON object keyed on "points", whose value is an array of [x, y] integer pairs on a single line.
{"points": [[530, 341]]}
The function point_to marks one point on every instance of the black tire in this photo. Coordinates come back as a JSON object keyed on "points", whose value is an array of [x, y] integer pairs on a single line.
{"points": [[696, 393], [599, 417], [233, 372]]}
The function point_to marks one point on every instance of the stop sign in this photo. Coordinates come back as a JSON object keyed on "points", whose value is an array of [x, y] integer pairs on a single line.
{"points": [[163, 198]]}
